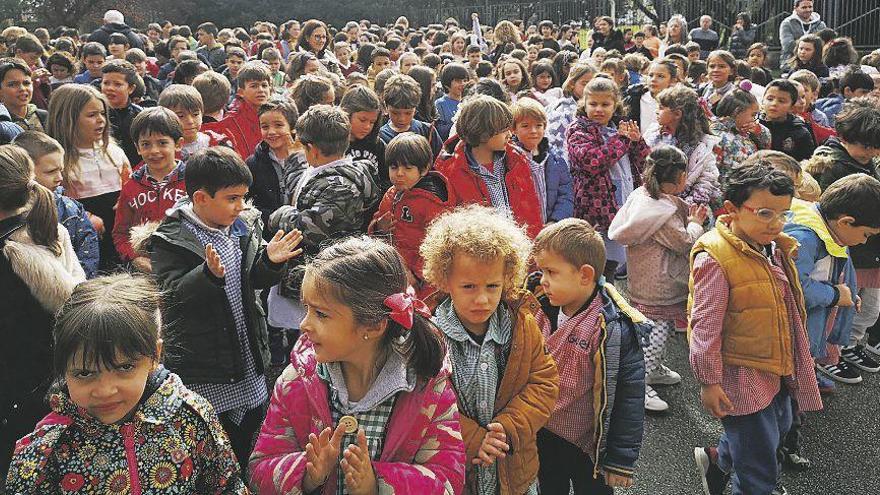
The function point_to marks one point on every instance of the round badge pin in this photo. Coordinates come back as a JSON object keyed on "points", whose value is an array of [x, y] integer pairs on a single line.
{"points": [[350, 423]]}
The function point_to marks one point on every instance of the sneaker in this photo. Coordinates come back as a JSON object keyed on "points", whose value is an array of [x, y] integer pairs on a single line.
{"points": [[826, 385], [857, 357], [713, 478], [779, 490], [663, 376], [873, 347], [841, 372], [653, 402], [795, 461], [621, 274]]}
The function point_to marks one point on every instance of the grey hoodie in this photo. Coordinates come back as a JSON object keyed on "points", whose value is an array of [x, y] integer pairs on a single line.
{"points": [[792, 28]]}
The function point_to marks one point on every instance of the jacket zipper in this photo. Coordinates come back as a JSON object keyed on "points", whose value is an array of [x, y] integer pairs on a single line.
{"points": [[128, 432], [600, 423]]}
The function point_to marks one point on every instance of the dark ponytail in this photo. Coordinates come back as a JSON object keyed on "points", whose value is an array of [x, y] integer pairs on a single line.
{"points": [[18, 190], [664, 165]]}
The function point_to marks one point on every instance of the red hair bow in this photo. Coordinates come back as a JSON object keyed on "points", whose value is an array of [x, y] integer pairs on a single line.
{"points": [[403, 305]]}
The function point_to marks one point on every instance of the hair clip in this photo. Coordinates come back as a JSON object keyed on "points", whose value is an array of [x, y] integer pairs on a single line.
{"points": [[745, 85], [404, 305]]}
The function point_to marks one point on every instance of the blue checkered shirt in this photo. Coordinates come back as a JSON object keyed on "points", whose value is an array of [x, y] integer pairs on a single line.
{"points": [[494, 180]]}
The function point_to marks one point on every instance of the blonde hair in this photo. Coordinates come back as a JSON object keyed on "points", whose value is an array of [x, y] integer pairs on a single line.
{"points": [[576, 241], [480, 232], [63, 123], [506, 32], [577, 71], [18, 190], [527, 108]]}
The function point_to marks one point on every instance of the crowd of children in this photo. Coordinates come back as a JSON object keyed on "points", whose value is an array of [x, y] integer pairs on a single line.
{"points": [[427, 229]]}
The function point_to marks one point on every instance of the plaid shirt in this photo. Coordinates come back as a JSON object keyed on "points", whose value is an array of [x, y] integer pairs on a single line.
{"points": [[374, 423], [539, 177], [749, 390], [494, 180], [235, 398]]}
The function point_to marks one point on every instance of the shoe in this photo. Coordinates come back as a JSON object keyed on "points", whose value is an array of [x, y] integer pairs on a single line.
{"points": [[826, 385], [841, 372], [779, 490], [795, 461], [857, 357], [873, 347], [663, 376], [713, 478], [653, 402], [621, 274]]}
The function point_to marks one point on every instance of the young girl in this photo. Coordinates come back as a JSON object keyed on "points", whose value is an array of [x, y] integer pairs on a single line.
{"points": [[606, 162], [505, 381], [513, 75], [640, 100], [808, 55], [364, 112], [756, 57], [38, 271], [312, 89], [683, 124], [545, 83], [721, 67], [658, 229], [120, 422], [561, 114], [740, 135], [418, 195], [94, 166], [366, 405]]}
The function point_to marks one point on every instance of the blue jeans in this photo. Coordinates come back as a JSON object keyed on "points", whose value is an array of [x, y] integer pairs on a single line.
{"points": [[747, 448]]}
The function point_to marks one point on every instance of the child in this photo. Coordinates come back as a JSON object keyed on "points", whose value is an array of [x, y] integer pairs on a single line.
{"points": [[367, 404], [16, 90], [596, 426], [658, 229], [853, 84], [241, 123], [682, 122], [63, 66], [856, 151], [154, 187], [213, 51], [379, 61], [48, 158], [177, 45], [606, 162], [276, 154], [640, 100], [808, 56], [818, 121], [427, 80], [186, 103], [740, 135], [272, 58], [545, 83], [789, 133], [38, 270], [474, 55], [92, 56], [215, 91], [119, 419], [561, 114], [417, 196], [94, 166], [514, 77], [484, 167], [505, 380], [748, 347], [401, 96], [721, 70], [342, 52], [453, 78], [312, 89], [235, 59], [117, 45], [152, 86], [364, 111], [215, 331], [756, 57], [117, 84], [550, 173]]}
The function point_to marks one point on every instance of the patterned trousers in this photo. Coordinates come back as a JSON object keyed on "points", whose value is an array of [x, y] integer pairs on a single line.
{"points": [[655, 351]]}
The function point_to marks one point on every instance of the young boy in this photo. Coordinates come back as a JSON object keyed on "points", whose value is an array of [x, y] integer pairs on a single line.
{"points": [[117, 45], [593, 335], [154, 187], [484, 167], [853, 84], [48, 157], [16, 90], [815, 118], [272, 58], [474, 57], [453, 78], [401, 96], [176, 46], [118, 83], [152, 86], [29, 49], [235, 58], [856, 150], [241, 123], [748, 346], [549, 171], [215, 331], [215, 90], [213, 51], [186, 103], [380, 60], [789, 133]]}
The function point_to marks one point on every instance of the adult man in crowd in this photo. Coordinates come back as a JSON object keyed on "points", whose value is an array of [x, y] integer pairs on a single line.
{"points": [[114, 22], [802, 21], [705, 37]]}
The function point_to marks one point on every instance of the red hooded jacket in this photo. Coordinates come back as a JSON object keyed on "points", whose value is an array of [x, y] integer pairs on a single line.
{"points": [[242, 125], [468, 187], [143, 200]]}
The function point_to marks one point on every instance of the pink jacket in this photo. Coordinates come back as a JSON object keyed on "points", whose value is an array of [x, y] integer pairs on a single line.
{"points": [[423, 452]]}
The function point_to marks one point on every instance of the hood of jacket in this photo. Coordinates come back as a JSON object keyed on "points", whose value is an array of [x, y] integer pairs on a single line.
{"points": [[814, 18], [5, 116], [809, 216], [641, 216], [115, 27]]}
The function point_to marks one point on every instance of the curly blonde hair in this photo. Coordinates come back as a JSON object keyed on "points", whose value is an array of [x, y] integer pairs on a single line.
{"points": [[480, 232]]}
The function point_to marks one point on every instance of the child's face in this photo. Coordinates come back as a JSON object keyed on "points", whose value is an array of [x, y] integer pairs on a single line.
{"points": [[805, 51], [48, 169], [234, 63], [401, 118], [579, 85], [639, 40], [141, 67], [745, 120], [600, 107], [59, 71], [512, 76], [220, 210], [533, 53], [565, 284], [343, 54], [810, 96], [458, 45], [499, 141], [761, 217], [667, 117], [274, 65], [93, 64], [255, 93], [475, 287], [381, 63], [456, 88], [276, 130], [116, 89], [362, 123], [530, 132], [756, 58], [800, 105], [108, 395], [475, 58], [659, 78], [861, 153], [191, 121], [118, 51], [694, 56], [177, 48], [407, 63], [849, 93], [543, 81], [313, 66], [719, 72], [158, 151], [91, 124], [777, 104], [405, 176], [848, 234], [16, 89]]}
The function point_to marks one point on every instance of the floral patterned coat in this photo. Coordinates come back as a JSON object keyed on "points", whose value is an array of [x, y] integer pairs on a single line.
{"points": [[174, 444], [423, 451]]}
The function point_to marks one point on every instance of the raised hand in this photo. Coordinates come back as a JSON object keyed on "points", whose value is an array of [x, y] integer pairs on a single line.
{"points": [[494, 445], [212, 259], [282, 247], [322, 453], [360, 479], [698, 214]]}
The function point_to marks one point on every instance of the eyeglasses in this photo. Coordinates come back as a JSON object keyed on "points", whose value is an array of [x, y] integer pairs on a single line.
{"points": [[766, 215]]}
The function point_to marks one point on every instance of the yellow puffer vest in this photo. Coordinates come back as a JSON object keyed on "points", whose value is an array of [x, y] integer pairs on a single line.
{"points": [[757, 330]]}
